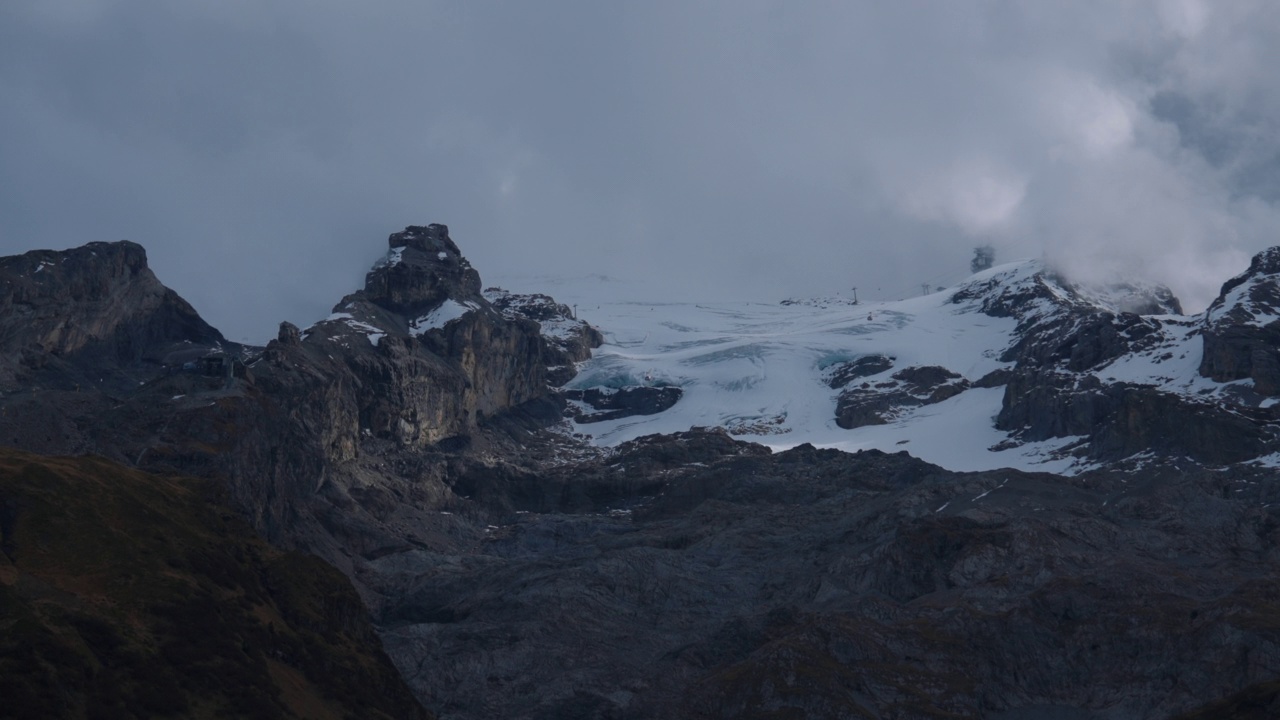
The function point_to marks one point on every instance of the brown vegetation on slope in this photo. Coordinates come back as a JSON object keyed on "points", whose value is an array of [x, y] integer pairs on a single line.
{"points": [[128, 595]]}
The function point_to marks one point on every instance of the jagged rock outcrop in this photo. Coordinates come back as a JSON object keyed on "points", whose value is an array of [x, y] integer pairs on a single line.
{"points": [[423, 269], [1062, 383], [1061, 324], [1119, 420], [415, 360], [1242, 327], [566, 340], [843, 373], [911, 387], [615, 404], [302, 430], [1062, 329]]}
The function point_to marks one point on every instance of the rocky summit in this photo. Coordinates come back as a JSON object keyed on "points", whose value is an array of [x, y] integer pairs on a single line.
{"points": [[1020, 497]]}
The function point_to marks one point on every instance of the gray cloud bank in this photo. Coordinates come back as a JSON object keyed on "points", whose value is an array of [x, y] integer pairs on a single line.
{"points": [[735, 150]]}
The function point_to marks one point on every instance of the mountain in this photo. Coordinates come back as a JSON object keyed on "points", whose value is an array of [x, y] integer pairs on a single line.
{"points": [[1015, 367], [89, 313], [1020, 497], [301, 430]]}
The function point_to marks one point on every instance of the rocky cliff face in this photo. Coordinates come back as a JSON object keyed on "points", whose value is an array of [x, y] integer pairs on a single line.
{"points": [[417, 363], [566, 340], [1242, 327], [1073, 355], [434, 358], [90, 312], [1120, 420]]}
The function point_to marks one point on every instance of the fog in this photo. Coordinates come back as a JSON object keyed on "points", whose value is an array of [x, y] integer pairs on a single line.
{"points": [[262, 152]]}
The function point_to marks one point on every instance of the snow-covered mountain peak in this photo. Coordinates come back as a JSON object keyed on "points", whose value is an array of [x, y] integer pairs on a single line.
{"points": [[1017, 366], [912, 375], [1251, 298], [1030, 290]]}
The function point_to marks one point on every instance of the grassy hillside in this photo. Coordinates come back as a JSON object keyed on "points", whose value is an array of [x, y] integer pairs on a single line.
{"points": [[127, 595]]}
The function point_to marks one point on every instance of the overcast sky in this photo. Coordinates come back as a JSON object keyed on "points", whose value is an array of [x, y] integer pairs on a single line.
{"points": [[262, 150]]}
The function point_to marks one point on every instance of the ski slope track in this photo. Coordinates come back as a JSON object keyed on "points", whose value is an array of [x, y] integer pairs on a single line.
{"points": [[772, 373]]}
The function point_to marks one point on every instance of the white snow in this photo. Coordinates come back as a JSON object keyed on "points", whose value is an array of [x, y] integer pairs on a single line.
{"points": [[979, 497], [560, 329], [372, 333], [442, 255], [448, 311], [758, 371], [1239, 297]]}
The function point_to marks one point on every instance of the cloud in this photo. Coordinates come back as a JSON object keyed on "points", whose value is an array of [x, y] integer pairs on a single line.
{"points": [[1094, 122], [753, 149], [977, 196]]}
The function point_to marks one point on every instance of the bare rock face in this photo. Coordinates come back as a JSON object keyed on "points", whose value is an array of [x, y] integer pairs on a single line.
{"points": [[601, 404], [417, 359], [566, 340], [1068, 326], [1242, 327], [1068, 335], [843, 373], [300, 431], [432, 358], [1120, 420], [423, 268], [84, 334], [88, 312]]}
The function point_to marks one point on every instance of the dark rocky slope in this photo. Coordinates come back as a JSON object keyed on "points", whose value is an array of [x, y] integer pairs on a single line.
{"points": [[127, 595], [713, 580]]}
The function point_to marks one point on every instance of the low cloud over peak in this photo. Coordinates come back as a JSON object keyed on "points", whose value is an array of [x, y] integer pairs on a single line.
{"points": [[749, 149]]}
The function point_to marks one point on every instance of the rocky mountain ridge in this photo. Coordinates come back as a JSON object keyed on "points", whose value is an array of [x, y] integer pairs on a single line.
{"points": [[418, 358], [86, 312], [422, 440]]}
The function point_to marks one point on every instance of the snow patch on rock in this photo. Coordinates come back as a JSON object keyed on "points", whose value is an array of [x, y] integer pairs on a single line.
{"points": [[449, 311]]}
